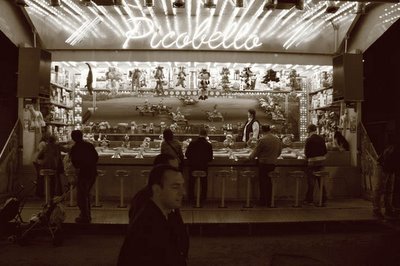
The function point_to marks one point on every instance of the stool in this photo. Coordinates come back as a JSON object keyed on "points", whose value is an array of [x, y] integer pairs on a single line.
{"points": [[298, 175], [321, 175], [223, 174], [274, 176], [121, 174], [47, 173], [97, 204], [249, 175], [71, 196], [145, 175], [198, 174]]}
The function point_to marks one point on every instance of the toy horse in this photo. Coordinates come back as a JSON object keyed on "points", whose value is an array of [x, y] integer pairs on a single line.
{"points": [[136, 74]]}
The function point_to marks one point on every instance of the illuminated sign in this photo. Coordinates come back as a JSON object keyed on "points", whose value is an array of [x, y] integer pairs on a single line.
{"points": [[233, 36]]}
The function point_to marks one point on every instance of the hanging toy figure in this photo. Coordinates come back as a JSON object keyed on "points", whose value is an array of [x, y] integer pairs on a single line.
{"points": [[246, 77], [89, 80], [204, 77], [294, 83], [181, 77], [159, 77], [136, 74], [270, 76], [225, 79]]}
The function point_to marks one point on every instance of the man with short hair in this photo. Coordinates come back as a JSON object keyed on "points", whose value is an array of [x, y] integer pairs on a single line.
{"points": [[268, 149], [199, 153], [315, 151], [84, 158], [153, 238]]}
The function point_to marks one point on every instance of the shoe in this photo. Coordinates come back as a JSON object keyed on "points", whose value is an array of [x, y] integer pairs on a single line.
{"points": [[82, 220], [377, 214]]}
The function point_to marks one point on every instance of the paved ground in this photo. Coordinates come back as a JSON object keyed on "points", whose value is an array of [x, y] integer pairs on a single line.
{"points": [[372, 247]]}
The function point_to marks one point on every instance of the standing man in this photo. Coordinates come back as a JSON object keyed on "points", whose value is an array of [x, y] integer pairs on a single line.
{"points": [[315, 151], [84, 158], [268, 149], [152, 236], [252, 126], [199, 152]]}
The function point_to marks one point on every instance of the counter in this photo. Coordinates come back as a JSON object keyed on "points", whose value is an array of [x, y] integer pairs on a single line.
{"points": [[344, 180]]}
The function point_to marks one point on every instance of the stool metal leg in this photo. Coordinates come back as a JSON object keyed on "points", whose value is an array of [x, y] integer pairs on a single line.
{"points": [[296, 204], [96, 195], [273, 194], [223, 193], [121, 190], [248, 193], [47, 189], [71, 196], [198, 192], [321, 190]]}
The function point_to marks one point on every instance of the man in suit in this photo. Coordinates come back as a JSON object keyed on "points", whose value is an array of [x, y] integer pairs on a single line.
{"points": [[199, 153]]}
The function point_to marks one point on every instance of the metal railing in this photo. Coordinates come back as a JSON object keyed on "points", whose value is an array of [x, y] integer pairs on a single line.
{"points": [[10, 159], [369, 163]]}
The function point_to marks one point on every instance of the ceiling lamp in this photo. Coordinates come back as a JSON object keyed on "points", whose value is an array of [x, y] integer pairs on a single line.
{"points": [[178, 4], [148, 3], [270, 4], [239, 3], [86, 2], [331, 7], [210, 4], [54, 2], [21, 3]]}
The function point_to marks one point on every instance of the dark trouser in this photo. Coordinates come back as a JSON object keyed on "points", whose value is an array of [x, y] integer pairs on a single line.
{"points": [[311, 183], [192, 183], [383, 187], [84, 184], [396, 190], [39, 181], [265, 183]]}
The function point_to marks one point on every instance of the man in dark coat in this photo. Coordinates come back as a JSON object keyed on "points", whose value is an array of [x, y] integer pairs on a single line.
{"points": [[315, 151], [199, 153], [153, 237], [84, 158]]}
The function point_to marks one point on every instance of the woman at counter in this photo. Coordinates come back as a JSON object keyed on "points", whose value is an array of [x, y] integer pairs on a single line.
{"points": [[172, 147]]}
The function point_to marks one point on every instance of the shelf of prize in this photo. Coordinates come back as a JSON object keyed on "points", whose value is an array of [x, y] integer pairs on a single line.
{"points": [[325, 107], [58, 123], [319, 90], [59, 105], [61, 87]]}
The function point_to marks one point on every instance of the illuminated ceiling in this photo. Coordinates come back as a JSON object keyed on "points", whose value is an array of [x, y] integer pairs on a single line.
{"points": [[131, 25]]}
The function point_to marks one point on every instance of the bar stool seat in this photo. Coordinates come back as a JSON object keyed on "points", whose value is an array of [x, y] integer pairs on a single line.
{"points": [[298, 175], [248, 175], [100, 173], [121, 174], [322, 175], [47, 173], [223, 174], [274, 178], [198, 175], [145, 176]]}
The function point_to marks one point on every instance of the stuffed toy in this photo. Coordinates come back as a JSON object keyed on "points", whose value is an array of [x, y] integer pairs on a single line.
{"points": [[225, 78], [113, 76], [36, 118], [159, 77], [181, 77], [293, 82], [270, 75], [247, 80], [204, 77], [136, 75]]}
